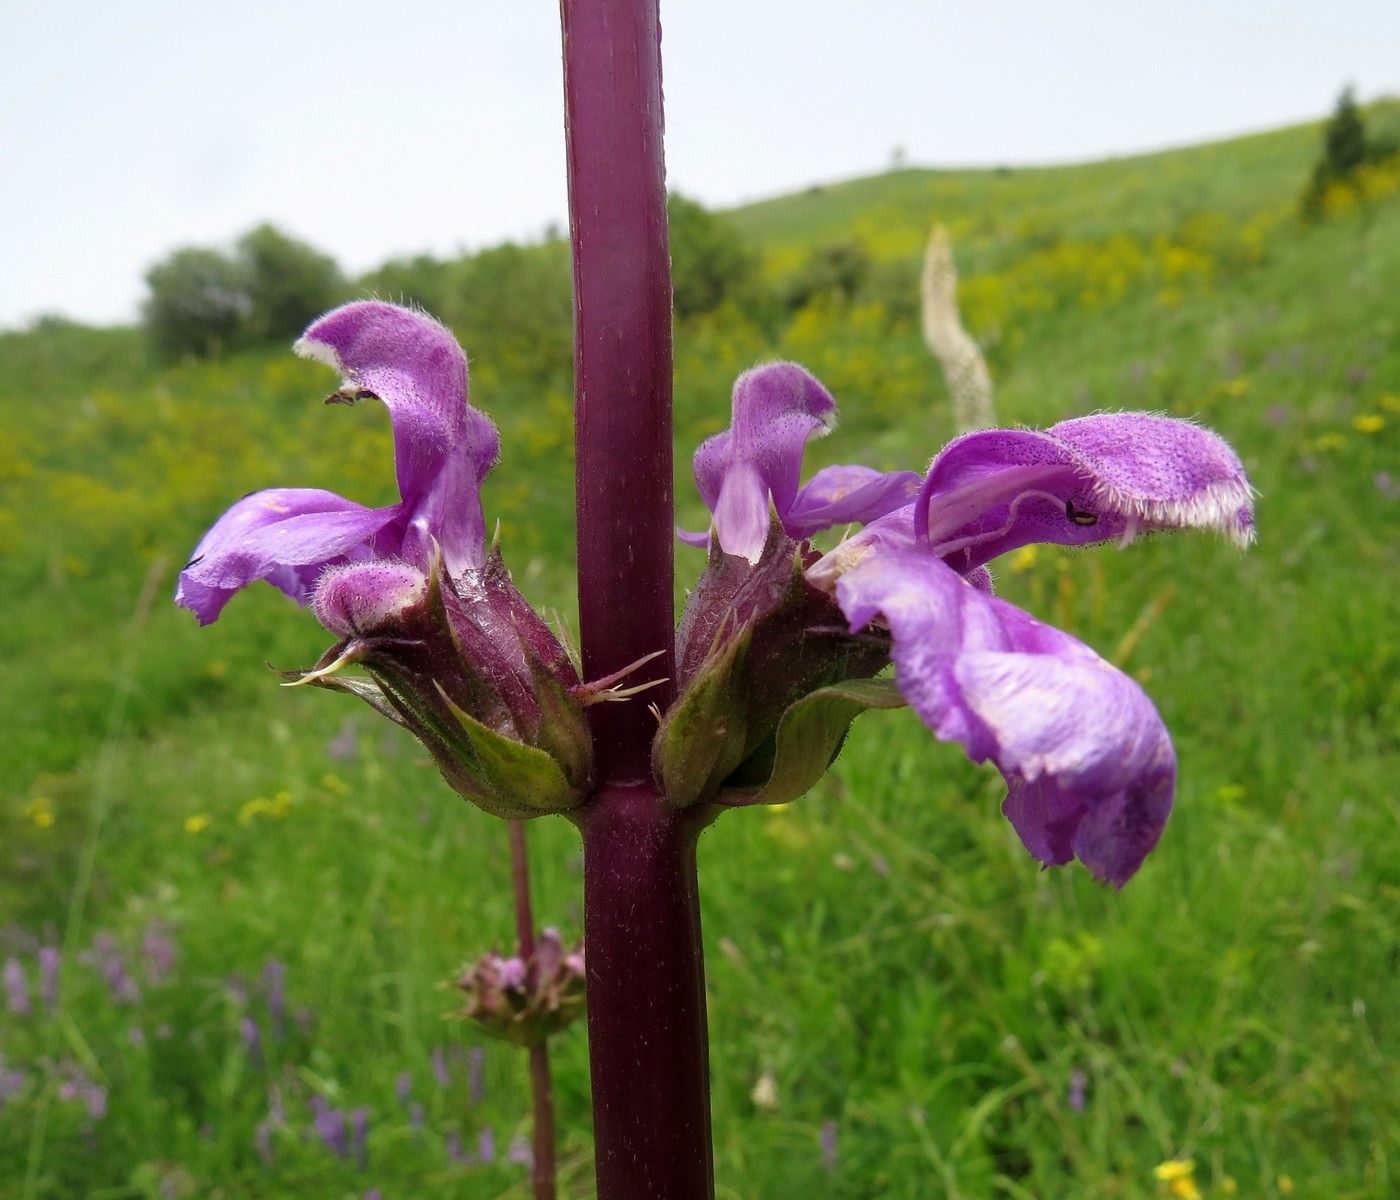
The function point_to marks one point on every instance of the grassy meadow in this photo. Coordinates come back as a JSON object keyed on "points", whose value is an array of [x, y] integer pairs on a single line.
{"points": [[227, 908]]}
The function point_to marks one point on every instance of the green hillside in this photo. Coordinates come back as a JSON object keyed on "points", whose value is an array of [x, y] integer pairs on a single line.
{"points": [[931, 1014]]}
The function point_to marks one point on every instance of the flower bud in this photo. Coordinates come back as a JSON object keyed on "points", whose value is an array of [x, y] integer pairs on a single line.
{"points": [[359, 599]]}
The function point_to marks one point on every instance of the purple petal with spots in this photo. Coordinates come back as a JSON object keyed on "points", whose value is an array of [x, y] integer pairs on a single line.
{"points": [[1089, 766], [1093, 479]]}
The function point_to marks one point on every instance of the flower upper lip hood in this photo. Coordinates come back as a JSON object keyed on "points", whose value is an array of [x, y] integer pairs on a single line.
{"points": [[443, 449], [777, 408], [1089, 480]]}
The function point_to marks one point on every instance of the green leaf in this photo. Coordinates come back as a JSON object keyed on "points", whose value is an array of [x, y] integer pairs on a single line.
{"points": [[701, 739], [517, 780], [808, 739]]}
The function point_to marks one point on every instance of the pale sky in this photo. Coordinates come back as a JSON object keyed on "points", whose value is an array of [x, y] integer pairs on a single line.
{"points": [[375, 129]]}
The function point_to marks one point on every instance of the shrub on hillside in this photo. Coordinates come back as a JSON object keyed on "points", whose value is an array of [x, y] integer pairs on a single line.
{"points": [[289, 283], [1345, 174], [199, 304], [710, 261], [203, 302]]}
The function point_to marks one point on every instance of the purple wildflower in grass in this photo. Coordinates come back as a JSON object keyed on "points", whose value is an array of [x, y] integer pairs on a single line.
{"points": [[1088, 763], [11, 1083], [159, 953], [416, 1117], [359, 1136], [252, 1040], [330, 1127], [403, 1087], [50, 959], [1386, 485], [275, 986], [828, 1137], [453, 1144], [136, 1035], [1078, 1081], [262, 1140], [476, 1073], [520, 1153], [109, 961], [486, 1144], [16, 988], [373, 1194], [443, 449], [440, 1072]]}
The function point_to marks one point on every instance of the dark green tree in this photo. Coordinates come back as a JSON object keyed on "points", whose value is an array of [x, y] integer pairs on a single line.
{"points": [[199, 304], [1346, 147], [710, 261], [290, 283]]}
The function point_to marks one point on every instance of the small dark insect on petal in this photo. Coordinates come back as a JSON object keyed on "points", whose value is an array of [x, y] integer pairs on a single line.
{"points": [[1078, 516], [350, 396], [198, 558]]}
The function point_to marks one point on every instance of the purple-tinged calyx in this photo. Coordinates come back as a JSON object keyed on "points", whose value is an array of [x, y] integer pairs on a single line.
{"points": [[524, 1001], [443, 449], [471, 669], [753, 469]]}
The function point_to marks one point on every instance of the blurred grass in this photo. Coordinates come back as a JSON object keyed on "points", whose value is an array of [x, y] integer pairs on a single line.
{"points": [[883, 950]]}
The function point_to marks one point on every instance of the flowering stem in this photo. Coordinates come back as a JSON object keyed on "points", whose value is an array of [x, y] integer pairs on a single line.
{"points": [[646, 999], [541, 1085], [646, 983]]}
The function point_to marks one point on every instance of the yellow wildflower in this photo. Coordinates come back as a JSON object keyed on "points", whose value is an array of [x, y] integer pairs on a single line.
{"points": [[197, 823], [1390, 403], [1285, 1185], [40, 811], [1177, 1174], [1024, 558], [1175, 1168], [1368, 423], [1330, 441]]}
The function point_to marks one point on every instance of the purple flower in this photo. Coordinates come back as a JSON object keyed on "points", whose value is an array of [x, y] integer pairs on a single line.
{"points": [[330, 1126], [439, 1059], [443, 448], [520, 1153], [476, 1073], [275, 984], [50, 958], [1088, 763], [16, 988], [828, 1146], [758, 459], [252, 1040], [486, 1144], [403, 1086], [359, 1136]]}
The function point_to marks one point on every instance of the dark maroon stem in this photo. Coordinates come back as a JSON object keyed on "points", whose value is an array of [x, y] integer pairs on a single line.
{"points": [[646, 980], [646, 999], [542, 1174], [622, 362]]}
